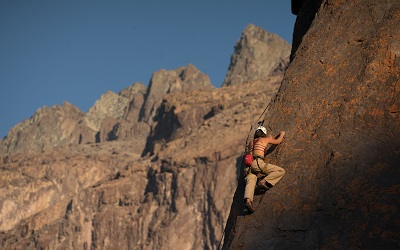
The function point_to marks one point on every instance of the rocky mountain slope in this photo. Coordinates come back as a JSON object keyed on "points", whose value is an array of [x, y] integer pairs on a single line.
{"points": [[147, 168], [339, 104], [258, 54]]}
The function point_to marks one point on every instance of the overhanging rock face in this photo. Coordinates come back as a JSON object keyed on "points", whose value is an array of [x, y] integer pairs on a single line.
{"points": [[339, 105]]}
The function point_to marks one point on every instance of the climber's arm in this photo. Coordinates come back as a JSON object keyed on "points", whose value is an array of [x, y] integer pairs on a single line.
{"points": [[277, 140]]}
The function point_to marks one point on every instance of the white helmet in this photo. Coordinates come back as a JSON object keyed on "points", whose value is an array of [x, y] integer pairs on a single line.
{"points": [[263, 129]]}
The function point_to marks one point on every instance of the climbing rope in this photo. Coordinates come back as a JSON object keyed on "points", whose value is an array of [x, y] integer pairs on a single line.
{"points": [[259, 123]]}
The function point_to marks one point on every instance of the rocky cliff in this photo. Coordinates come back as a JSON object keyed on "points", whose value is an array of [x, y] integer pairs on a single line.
{"points": [[257, 54], [127, 115], [49, 127], [147, 168], [339, 105], [165, 82], [104, 195]]}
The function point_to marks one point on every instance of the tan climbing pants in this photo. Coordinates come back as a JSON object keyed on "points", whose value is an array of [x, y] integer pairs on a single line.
{"points": [[273, 175]]}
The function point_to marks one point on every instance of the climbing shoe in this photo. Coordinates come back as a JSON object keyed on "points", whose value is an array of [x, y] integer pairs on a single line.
{"points": [[262, 185], [249, 205]]}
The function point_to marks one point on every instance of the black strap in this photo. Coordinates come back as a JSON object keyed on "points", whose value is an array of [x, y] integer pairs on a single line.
{"points": [[259, 165], [257, 156]]}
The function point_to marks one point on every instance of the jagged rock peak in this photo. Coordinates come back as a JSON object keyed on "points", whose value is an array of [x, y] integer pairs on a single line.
{"points": [[136, 88], [258, 54], [117, 117], [110, 104], [48, 127], [182, 79], [75, 197], [253, 31]]}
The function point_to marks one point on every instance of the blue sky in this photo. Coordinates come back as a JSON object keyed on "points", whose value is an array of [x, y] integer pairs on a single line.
{"points": [[53, 51]]}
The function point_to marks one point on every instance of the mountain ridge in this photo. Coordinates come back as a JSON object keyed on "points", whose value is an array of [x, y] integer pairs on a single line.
{"points": [[154, 173]]}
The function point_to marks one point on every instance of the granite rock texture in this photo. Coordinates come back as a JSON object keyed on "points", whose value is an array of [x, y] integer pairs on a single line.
{"points": [[162, 82], [110, 104], [49, 127], [106, 196], [339, 105], [147, 168], [258, 54]]}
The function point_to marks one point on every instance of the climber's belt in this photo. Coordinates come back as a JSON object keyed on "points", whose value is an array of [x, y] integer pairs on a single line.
{"points": [[255, 157]]}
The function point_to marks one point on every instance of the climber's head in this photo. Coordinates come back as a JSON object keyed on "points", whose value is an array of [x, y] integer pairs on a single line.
{"points": [[263, 129], [260, 132]]}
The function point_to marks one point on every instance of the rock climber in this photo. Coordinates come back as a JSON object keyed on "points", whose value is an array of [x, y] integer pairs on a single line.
{"points": [[270, 173]]}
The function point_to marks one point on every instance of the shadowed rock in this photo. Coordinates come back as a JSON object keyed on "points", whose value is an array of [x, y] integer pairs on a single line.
{"points": [[339, 105], [106, 196], [162, 82]]}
